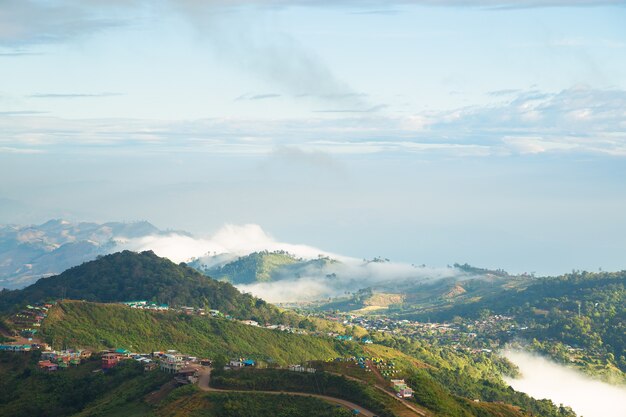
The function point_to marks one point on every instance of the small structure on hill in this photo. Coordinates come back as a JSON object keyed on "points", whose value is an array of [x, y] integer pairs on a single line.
{"points": [[187, 375], [110, 360], [172, 363], [401, 388]]}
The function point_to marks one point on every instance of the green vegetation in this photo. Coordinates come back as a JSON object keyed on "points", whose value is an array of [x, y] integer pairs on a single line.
{"points": [[75, 323], [318, 383], [257, 266], [583, 310], [427, 296], [262, 267], [432, 390], [188, 401], [450, 379], [27, 391], [126, 276]]}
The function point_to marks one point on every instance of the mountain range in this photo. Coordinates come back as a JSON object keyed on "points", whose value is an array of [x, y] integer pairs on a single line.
{"points": [[244, 255], [28, 253]]}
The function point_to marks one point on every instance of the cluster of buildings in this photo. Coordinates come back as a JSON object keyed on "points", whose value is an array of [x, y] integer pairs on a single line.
{"points": [[191, 311], [145, 305], [300, 368], [16, 348], [54, 360], [240, 363], [183, 367], [28, 320], [463, 334]]}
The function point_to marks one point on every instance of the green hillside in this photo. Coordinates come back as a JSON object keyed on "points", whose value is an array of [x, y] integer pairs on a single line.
{"points": [[582, 309], [99, 326], [257, 266], [126, 276], [428, 295], [262, 267], [26, 391]]}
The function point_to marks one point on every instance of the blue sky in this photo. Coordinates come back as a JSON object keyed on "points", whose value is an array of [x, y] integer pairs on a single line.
{"points": [[492, 132]]}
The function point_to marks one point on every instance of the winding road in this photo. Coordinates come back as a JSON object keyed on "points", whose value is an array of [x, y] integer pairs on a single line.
{"points": [[204, 376]]}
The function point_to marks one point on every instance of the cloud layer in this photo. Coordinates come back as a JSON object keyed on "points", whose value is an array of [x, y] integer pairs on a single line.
{"points": [[573, 121], [313, 282], [542, 378], [233, 240]]}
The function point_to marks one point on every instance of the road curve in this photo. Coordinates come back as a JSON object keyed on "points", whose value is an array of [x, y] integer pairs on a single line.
{"points": [[401, 400], [204, 376]]}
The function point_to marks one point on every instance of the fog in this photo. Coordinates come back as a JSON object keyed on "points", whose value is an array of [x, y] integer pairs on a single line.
{"points": [[234, 240], [542, 378], [349, 275], [303, 282]]}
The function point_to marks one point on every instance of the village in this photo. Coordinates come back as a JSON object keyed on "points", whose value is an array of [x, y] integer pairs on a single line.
{"points": [[473, 335], [184, 368]]}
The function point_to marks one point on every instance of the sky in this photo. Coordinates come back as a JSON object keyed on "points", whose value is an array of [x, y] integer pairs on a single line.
{"points": [[425, 131]]}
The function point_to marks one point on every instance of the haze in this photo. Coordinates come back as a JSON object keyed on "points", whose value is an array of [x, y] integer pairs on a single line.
{"points": [[488, 132]]}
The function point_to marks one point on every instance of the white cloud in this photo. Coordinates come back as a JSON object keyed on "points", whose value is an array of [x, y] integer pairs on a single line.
{"points": [[349, 275], [310, 283], [236, 240], [542, 378], [579, 119]]}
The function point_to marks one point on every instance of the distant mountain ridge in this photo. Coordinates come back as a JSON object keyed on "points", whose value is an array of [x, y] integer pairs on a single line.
{"points": [[28, 253]]}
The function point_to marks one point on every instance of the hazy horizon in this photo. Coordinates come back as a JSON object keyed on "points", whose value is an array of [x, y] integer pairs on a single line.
{"points": [[490, 132]]}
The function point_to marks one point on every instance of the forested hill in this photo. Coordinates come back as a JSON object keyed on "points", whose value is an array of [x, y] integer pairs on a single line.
{"points": [[126, 276], [580, 309]]}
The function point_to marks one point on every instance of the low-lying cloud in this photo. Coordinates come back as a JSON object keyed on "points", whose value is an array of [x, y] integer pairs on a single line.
{"points": [[235, 240], [348, 276], [312, 281], [542, 378]]}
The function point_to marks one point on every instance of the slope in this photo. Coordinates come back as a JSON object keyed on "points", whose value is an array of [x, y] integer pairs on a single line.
{"points": [[126, 276], [98, 326]]}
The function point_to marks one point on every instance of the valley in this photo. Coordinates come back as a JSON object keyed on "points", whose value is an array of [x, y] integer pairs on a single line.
{"points": [[451, 363]]}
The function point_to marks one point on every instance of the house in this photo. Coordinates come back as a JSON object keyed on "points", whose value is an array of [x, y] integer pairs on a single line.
{"points": [[110, 360], [187, 376], [171, 363], [300, 368], [214, 313], [122, 352], [401, 389], [48, 366], [235, 363], [250, 322]]}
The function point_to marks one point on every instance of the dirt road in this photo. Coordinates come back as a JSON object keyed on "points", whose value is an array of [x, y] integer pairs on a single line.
{"points": [[205, 376]]}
